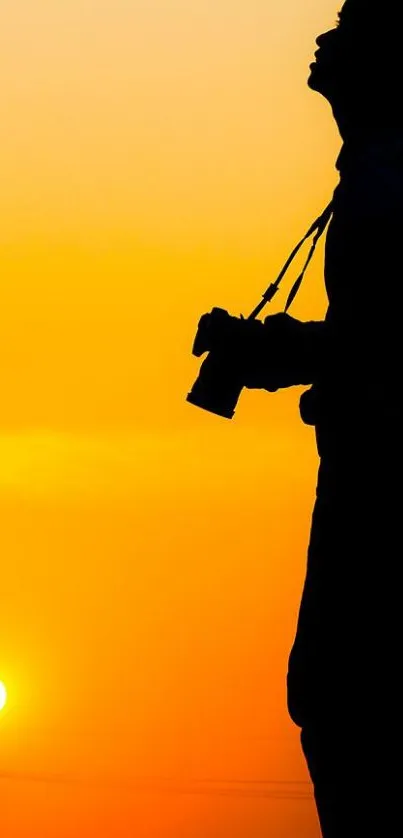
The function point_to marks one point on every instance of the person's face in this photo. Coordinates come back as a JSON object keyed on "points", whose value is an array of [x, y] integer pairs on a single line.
{"points": [[359, 73], [329, 68]]}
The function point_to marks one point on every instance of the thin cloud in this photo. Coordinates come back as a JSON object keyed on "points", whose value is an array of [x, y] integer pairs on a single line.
{"points": [[270, 789]]}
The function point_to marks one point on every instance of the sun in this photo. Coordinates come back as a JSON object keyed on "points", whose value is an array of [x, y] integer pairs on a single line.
{"points": [[3, 696]]}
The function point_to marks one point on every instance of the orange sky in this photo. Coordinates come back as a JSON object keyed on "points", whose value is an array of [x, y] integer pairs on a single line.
{"points": [[157, 158]]}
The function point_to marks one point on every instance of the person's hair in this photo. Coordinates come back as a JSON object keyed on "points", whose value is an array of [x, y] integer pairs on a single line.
{"points": [[372, 19], [374, 30]]}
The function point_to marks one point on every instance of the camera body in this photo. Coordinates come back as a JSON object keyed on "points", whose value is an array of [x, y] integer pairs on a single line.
{"points": [[250, 353], [221, 380]]}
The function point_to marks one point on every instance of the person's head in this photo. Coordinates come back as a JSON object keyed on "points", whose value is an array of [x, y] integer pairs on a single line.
{"points": [[359, 66]]}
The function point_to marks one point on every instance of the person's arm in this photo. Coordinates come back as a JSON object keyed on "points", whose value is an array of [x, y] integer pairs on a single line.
{"points": [[286, 353]]}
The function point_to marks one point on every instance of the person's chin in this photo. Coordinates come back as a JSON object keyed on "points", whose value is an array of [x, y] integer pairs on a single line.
{"points": [[313, 76], [315, 79]]}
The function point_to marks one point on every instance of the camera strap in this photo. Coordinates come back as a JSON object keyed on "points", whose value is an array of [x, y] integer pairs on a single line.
{"points": [[318, 228]]}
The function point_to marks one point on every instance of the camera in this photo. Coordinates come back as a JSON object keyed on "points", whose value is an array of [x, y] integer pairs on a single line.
{"points": [[237, 347], [221, 378]]}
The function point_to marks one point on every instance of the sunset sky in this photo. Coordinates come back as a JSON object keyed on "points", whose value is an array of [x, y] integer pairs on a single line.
{"points": [[157, 158]]}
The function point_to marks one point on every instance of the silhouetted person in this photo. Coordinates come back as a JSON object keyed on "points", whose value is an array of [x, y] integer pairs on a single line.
{"points": [[344, 669]]}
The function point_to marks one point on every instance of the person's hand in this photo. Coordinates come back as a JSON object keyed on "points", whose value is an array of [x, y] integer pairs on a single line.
{"points": [[267, 355], [270, 359]]}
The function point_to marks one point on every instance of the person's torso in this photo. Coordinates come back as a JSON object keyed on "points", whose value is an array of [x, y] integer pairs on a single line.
{"points": [[359, 381]]}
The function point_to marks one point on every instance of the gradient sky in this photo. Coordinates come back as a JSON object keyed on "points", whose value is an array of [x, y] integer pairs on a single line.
{"points": [[157, 158]]}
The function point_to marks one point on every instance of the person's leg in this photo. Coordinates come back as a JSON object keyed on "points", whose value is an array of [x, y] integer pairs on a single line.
{"points": [[344, 669], [326, 776], [356, 779]]}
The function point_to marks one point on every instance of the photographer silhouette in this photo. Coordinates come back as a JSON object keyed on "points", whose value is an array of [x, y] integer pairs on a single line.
{"points": [[343, 683], [343, 676]]}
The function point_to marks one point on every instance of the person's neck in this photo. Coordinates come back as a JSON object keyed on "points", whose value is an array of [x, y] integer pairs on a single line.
{"points": [[364, 131], [378, 139]]}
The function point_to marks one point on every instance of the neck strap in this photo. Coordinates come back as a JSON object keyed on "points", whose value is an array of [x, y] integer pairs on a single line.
{"points": [[318, 227]]}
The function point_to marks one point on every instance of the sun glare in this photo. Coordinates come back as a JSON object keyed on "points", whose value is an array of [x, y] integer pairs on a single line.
{"points": [[3, 696]]}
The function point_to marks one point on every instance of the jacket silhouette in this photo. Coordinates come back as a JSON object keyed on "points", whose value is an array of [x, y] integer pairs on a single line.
{"points": [[343, 679]]}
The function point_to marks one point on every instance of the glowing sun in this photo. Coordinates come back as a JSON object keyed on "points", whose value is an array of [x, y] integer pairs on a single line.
{"points": [[3, 696]]}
